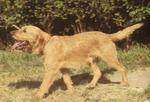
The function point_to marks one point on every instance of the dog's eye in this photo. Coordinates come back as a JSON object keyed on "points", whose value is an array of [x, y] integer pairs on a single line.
{"points": [[24, 30]]}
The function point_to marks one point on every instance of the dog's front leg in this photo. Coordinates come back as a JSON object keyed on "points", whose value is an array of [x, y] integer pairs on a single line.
{"points": [[48, 80], [67, 80], [96, 71]]}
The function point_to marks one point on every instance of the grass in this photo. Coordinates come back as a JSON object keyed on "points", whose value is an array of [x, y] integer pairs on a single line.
{"points": [[19, 59], [21, 75], [147, 92], [137, 56], [19, 72]]}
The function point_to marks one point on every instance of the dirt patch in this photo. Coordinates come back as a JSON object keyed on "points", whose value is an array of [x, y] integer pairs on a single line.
{"points": [[102, 93], [16, 87], [139, 78], [108, 92]]}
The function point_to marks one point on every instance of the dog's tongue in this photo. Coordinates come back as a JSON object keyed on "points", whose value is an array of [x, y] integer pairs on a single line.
{"points": [[18, 44]]}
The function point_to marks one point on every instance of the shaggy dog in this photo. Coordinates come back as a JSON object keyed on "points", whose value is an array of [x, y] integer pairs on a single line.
{"points": [[61, 53]]}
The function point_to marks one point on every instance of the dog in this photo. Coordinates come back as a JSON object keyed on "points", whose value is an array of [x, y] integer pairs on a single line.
{"points": [[61, 53]]}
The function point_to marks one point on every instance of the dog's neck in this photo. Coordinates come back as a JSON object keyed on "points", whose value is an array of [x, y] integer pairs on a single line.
{"points": [[40, 43], [46, 37]]}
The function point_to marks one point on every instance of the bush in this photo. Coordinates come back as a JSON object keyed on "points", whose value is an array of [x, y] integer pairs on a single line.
{"points": [[72, 16], [63, 17]]}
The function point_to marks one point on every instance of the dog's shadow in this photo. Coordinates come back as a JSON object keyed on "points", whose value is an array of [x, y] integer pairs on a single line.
{"points": [[77, 80]]}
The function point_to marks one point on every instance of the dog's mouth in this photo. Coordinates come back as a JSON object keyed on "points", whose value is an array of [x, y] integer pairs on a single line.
{"points": [[20, 45]]}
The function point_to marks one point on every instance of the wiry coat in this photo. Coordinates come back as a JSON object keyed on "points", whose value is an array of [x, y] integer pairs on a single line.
{"points": [[64, 52]]}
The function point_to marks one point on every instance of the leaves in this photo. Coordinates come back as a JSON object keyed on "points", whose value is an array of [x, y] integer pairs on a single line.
{"points": [[98, 12]]}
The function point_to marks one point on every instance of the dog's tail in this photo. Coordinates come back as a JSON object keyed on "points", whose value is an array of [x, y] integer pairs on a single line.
{"points": [[125, 32]]}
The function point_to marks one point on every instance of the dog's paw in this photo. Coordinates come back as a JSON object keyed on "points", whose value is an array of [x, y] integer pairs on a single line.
{"points": [[90, 86], [124, 84], [41, 95], [69, 91]]}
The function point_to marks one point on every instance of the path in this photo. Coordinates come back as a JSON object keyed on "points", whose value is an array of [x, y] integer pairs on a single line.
{"points": [[140, 78]]}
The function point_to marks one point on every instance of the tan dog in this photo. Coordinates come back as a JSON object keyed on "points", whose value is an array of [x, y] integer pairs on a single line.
{"points": [[64, 52]]}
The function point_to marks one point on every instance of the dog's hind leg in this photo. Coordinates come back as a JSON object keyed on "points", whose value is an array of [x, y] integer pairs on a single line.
{"points": [[119, 67], [112, 61], [67, 80], [96, 71]]}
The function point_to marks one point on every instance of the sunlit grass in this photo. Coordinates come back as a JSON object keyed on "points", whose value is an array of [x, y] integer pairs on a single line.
{"points": [[137, 56], [19, 59], [147, 92]]}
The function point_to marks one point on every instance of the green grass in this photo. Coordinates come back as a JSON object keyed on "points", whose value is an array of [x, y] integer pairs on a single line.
{"points": [[21, 70], [137, 56], [20, 64], [147, 92], [19, 59]]}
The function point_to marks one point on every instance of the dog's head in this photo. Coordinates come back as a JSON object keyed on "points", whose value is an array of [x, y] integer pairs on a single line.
{"points": [[26, 33], [31, 34]]}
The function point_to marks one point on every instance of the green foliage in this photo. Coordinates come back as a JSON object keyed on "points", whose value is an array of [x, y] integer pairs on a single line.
{"points": [[138, 10], [79, 15]]}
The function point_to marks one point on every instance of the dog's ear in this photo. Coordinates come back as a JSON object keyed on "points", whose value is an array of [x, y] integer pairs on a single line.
{"points": [[38, 45]]}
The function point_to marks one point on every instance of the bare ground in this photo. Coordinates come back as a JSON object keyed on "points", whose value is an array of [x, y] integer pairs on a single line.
{"points": [[15, 87], [139, 78]]}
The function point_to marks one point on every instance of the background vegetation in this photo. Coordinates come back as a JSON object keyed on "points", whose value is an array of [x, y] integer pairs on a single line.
{"points": [[73, 16], [79, 14]]}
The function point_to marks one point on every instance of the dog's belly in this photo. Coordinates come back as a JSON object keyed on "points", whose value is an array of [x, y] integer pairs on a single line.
{"points": [[75, 64]]}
